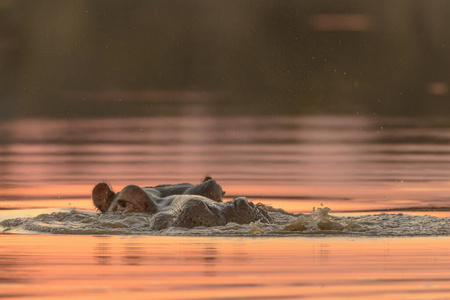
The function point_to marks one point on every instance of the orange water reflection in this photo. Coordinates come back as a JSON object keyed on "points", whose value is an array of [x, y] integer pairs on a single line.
{"points": [[339, 197], [51, 267], [294, 162]]}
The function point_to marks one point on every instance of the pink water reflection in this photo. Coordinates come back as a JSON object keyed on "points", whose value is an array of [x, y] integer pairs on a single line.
{"points": [[347, 163]]}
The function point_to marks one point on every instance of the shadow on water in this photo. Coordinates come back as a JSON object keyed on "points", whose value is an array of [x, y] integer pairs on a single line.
{"points": [[12, 269], [102, 253], [135, 253]]}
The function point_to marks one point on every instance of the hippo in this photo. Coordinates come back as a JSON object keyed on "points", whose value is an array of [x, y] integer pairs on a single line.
{"points": [[180, 205]]}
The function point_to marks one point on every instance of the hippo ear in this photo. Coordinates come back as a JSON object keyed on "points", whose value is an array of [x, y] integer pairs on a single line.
{"points": [[207, 177], [102, 196]]}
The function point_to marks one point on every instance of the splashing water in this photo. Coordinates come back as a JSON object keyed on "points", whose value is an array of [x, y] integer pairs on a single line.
{"points": [[318, 222]]}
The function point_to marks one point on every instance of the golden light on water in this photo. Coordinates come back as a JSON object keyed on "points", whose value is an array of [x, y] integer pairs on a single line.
{"points": [[215, 268]]}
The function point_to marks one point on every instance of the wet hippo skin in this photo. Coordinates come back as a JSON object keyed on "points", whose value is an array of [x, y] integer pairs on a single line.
{"points": [[180, 205]]}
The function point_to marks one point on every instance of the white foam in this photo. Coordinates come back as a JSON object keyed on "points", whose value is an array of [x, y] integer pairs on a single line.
{"points": [[317, 222]]}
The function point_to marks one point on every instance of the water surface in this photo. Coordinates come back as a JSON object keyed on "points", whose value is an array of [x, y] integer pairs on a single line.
{"points": [[346, 163], [109, 267], [391, 173]]}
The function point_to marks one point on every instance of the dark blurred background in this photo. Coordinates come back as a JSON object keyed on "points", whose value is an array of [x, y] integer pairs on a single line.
{"points": [[89, 58]]}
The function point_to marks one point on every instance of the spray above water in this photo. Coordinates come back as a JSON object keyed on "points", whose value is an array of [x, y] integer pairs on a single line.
{"points": [[318, 222], [187, 209]]}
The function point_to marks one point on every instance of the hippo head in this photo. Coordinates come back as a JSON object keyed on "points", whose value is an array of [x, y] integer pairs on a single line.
{"points": [[209, 188], [130, 199]]}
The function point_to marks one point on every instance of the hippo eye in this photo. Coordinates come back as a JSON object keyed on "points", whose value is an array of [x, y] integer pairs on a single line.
{"points": [[122, 203]]}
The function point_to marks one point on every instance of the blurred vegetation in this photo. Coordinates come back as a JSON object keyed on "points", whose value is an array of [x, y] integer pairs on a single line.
{"points": [[79, 58]]}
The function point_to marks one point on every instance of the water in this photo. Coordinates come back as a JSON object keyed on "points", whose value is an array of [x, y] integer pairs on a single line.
{"points": [[345, 163], [386, 181], [112, 267]]}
